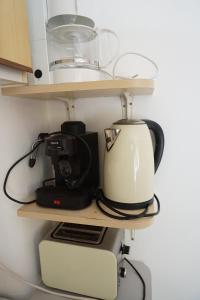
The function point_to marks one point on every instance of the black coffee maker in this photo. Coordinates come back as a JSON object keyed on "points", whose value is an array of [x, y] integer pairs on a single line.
{"points": [[75, 160]]}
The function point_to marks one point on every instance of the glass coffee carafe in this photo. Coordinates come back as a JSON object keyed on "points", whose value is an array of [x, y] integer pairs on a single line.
{"points": [[74, 42]]}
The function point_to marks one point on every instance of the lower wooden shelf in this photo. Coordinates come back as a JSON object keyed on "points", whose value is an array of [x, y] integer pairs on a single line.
{"points": [[90, 216]]}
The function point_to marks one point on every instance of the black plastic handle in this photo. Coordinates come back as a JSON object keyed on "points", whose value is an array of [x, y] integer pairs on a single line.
{"points": [[159, 141]]}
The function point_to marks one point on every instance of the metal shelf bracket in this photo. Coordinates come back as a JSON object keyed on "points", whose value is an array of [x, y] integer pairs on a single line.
{"points": [[70, 107], [127, 105]]}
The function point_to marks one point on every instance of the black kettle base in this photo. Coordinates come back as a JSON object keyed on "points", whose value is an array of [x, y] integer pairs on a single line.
{"points": [[128, 206], [108, 207], [61, 198]]}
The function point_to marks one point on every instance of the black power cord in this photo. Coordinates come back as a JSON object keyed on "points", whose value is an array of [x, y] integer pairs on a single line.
{"points": [[11, 168], [119, 215], [140, 277], [77, 183]]}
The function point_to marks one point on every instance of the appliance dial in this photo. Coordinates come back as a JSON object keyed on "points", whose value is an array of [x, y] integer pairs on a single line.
{"points": [[38, 73]]}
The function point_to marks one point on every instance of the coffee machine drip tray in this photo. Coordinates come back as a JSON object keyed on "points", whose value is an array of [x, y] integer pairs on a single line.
{"points": [[79, 233]]}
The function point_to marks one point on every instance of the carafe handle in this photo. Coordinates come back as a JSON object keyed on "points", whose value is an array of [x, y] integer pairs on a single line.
{"points": [[116, 50]]}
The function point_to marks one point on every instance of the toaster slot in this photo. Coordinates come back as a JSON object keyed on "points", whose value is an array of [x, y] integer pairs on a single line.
{"points": [[79, 233]]}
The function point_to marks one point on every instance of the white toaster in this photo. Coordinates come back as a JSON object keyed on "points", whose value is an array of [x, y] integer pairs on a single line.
{"points": [[82, 259]]}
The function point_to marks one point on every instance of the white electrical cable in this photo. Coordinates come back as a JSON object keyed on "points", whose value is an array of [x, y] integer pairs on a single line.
{"points": [[21, 279], [106, 73], [136, 75]]}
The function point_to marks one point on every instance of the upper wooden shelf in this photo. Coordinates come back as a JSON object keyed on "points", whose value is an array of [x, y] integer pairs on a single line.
{"points": [[89, 216], [82, 89]]}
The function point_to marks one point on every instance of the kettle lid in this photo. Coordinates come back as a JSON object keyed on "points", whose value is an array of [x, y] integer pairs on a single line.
{"points": [[129, 122]]}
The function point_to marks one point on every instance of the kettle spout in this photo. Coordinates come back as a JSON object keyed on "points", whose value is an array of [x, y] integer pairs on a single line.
{"points": [[111, 135]]}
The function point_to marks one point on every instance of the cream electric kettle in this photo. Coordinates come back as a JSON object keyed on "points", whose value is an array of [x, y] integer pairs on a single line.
{"points": [[130, 163]]}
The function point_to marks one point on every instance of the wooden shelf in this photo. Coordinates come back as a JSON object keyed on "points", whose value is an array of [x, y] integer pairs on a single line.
{"points": [[89, 216], [82, 89]]}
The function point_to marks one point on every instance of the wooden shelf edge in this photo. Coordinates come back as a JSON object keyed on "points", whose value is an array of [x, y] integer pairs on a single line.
{"points": [[87, 216], [15, 65], [82, 89]]}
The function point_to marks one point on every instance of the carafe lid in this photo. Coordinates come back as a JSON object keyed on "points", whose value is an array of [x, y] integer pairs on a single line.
{"points": [[71, 28], [69, 19], [129, 122]]}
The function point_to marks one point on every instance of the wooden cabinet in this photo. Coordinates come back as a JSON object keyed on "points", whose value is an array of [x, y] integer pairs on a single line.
{"points": [[14, 35]]}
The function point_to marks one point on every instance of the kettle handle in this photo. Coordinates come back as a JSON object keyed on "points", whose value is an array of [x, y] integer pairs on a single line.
{"points": [[159, 141]]}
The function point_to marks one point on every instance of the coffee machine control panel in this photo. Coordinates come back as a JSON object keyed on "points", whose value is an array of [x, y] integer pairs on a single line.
{"points": [[60, 145]]}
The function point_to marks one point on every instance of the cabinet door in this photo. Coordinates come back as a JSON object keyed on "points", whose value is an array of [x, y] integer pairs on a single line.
{"points": [[14, 35]]}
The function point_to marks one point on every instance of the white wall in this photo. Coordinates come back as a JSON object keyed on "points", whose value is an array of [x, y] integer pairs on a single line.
{"points": [[20, 122], [167, 31]]}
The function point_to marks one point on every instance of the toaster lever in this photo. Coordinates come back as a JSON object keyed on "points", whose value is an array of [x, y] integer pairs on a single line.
{"points": [[122, 272], [125, 249]]}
